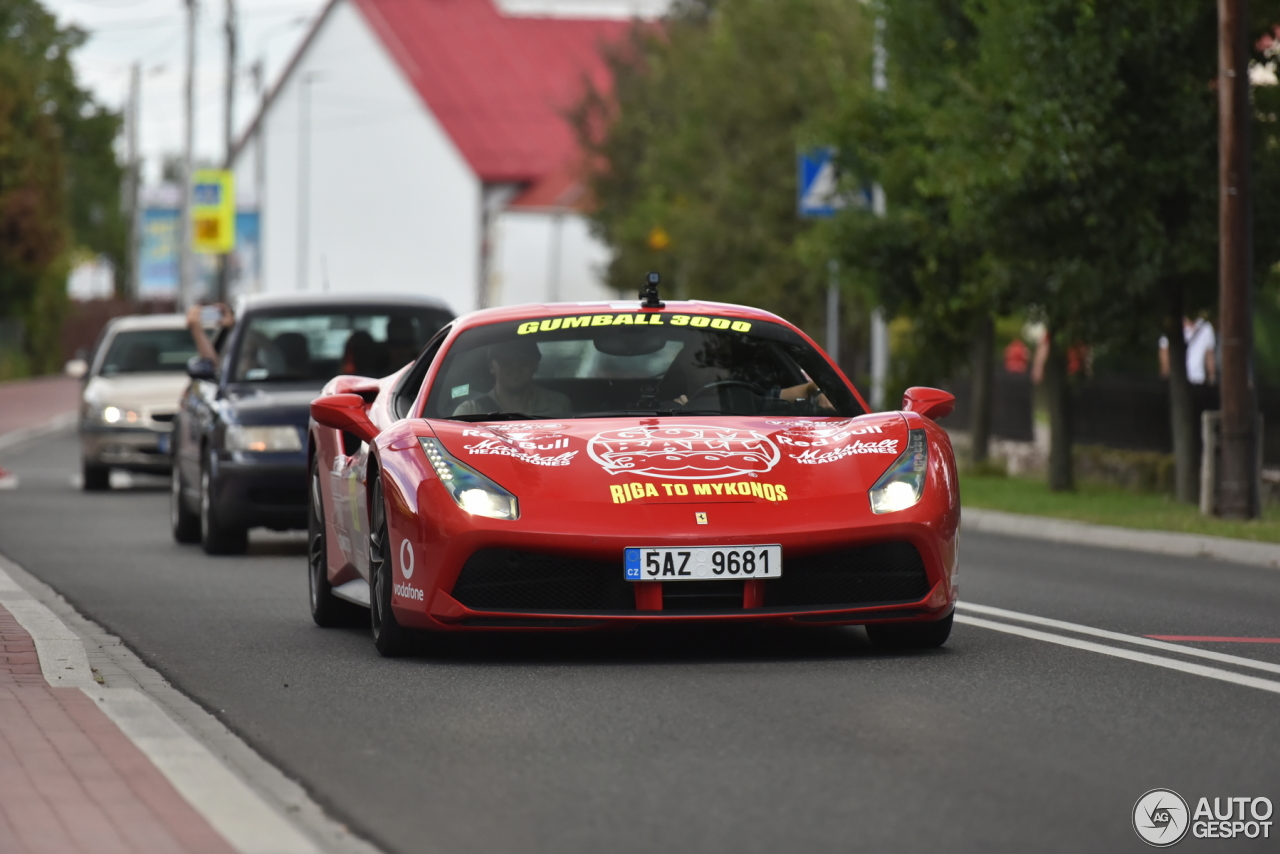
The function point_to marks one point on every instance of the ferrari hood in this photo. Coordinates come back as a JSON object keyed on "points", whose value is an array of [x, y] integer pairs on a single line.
{"points": [[698, 459]]}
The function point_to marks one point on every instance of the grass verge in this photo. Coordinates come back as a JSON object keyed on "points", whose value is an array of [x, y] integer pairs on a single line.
{"points": [[1109, 505]]}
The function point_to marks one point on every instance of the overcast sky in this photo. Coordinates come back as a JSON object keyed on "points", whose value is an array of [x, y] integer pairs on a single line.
{"points": [[152, 32]]}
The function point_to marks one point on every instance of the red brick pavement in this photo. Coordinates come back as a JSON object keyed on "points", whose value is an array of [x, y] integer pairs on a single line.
{"points": [[30, 403], [71, 781]]}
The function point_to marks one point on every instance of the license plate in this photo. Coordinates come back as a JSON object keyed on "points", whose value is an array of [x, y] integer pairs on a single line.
{"points": [[702, 563]]}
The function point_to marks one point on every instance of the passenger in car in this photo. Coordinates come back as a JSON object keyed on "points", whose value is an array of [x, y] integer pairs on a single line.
{"points": [[362, 356], [401, 345], [513, 365]]}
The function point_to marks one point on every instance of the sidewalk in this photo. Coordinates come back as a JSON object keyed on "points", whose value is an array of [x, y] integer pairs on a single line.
{"points": [[28, 404], [70, 780], [1116, 537]]}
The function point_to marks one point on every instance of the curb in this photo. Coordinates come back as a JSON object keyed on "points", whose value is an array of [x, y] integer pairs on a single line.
{"points": [[248, 801], [1113, 537]]}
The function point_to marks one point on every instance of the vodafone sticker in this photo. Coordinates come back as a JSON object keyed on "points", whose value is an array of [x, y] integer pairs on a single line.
{"points": [[406, 559], [684, 451]]}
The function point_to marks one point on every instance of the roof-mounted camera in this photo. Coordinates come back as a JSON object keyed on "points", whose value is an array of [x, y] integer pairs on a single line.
{"points": [[649, 293]]}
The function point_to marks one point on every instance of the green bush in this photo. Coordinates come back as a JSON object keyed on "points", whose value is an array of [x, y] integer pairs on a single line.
{"points": [[1137, 471], [14, 365]]}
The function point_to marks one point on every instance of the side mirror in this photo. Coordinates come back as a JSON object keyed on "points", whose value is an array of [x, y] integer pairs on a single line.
{"points": [[364, 386], [933, 403], [345, 412], [200, 368]]}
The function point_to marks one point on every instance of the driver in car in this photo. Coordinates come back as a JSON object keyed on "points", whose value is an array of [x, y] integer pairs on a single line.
{"points": [[705, 371], [513, 365]]}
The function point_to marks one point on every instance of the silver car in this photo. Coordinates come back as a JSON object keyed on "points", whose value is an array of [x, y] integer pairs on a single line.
{"points": [[132, 391]]}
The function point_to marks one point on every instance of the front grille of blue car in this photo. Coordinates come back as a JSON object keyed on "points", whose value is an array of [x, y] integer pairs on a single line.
{"points": [[868, 575]]}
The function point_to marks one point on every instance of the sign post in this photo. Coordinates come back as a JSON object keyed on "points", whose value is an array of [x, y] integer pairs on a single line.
{"points": [[213, 212], [818, 197]]}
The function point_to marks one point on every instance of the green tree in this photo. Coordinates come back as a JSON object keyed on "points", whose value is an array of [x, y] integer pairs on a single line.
{"points": [[1055, 157], [697, 141], [59, 177], [915, 258]]}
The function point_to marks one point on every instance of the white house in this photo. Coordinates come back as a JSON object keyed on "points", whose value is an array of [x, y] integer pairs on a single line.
{"points": [[421, 145]]}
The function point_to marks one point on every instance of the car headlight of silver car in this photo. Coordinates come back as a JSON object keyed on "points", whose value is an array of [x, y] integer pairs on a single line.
{"points": [[902, 484], [118, 415], [263, 438], [473, 492]]}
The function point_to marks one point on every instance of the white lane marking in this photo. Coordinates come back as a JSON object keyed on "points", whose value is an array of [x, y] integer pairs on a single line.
{"points": [[1193, 652], [356, 590], [1145, 658], [233, 809]]}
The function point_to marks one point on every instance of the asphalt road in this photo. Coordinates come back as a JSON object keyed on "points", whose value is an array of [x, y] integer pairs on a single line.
{"points": [[737, 740]]}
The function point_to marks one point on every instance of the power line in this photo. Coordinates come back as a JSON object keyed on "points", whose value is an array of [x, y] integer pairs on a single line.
{"points": [[174, 20]]}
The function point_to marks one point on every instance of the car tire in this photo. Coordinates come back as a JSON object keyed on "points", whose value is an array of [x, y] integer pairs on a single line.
{"points": [[327, 610], [217, 538], [185, 524], [389, 637], [911, 635], [95, 478]]}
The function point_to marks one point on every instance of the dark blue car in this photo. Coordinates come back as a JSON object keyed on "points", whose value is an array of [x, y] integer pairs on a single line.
{"points": [[239, 439]]}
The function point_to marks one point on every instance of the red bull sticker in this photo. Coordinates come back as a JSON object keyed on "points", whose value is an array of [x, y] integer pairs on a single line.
{"points": [[536, 444], [827, 442], [684, 452]]}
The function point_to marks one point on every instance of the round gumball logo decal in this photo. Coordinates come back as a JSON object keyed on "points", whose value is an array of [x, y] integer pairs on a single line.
{"points": [[684, 451]]}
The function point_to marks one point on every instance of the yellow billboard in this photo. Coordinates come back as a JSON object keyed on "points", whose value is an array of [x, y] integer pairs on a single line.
{"points": [[213, 211]]}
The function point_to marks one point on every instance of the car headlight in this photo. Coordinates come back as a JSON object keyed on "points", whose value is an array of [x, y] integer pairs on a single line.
{"points": [[902, 484], [473, 492], [281, 438], [116, 415]]}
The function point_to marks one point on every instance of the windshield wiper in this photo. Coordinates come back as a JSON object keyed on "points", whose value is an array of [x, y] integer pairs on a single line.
{"points": [[498, 416]]}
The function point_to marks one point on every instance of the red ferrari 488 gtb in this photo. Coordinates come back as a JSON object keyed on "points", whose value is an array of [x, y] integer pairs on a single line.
{"points": [[587, 465]]}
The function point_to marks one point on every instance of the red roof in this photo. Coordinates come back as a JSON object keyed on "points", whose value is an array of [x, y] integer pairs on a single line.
{"points": [[499, 84]]}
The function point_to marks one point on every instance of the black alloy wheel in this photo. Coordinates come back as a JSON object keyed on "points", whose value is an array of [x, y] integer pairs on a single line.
{"points": [[390, 638], [326, 609], [217, 538], [95, 478], [184, 523], [911, 635]]}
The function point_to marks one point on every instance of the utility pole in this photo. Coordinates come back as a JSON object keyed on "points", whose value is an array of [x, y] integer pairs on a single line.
{"points": [[1238, 489], [304, 174], [833, 310], [186, 259], [879, 326], [259, 72], [133, 178], [229, 108]]}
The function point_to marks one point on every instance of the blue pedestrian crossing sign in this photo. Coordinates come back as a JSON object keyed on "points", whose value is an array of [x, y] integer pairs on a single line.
{"points": [[818, 190]]}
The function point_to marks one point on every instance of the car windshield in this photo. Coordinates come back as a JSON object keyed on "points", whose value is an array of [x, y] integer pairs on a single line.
{"points": [[619, 364], [317, 345], [143, 351]]}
